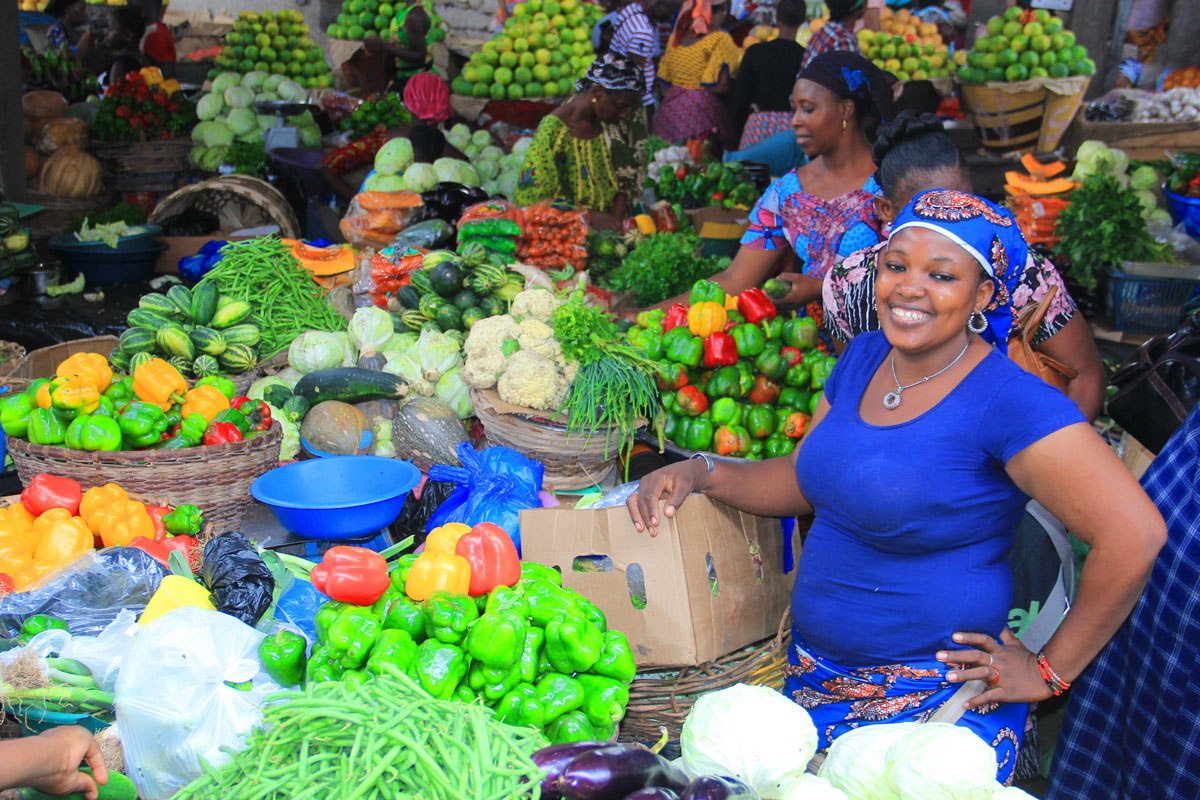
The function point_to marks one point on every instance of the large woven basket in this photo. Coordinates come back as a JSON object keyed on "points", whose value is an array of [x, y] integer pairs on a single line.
{"points": [[145, 166], [238, 201], [661, 698], [215, 478], [574, 461], [59, 213]]}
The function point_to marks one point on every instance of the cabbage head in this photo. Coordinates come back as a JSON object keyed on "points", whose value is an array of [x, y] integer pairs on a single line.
{"points": [[370, 329], [210, 106], [254, 80], [810, 787], [253, 136], [314, 350], [266, 97], [200, 131], [1148, 200], [224, 81], [491, 188], [266, 122], [487, 170], [940, 761], [521, 145], [459, 133], [214, 157], [289, 448], [256, 390], [1160, 215], [310, 136], [271, 84], [455, 171], [420, 177], [752, 733], [482, 138], [1143, 178], [242, 121], [437, 354], [452, 390], [289, 375], [398, 345], [238, 97], [349, 351], [508, 183], [406, 367], [857, 760], [291, 91], [491, 153], [394, 157], [218, 134], [376, 182]]}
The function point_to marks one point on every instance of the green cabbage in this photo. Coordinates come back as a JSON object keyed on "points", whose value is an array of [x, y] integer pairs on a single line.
{"points": [[238, 97], [1160, 215], [482, 138], [437, 354], [383, 183], [218, 133], [370, 329], [940, 761], [225, 80], [256, 390], [810, 787], [254, 80], [452, 390], [406, 367], [1148, 200], [491, 153], [242, 121], [420, 177], [521, 145], [289, 448], [210, 106], [394, 157], [349, 351], [857, 760], [272, 82], [455, 171], [752, 733], [310, 136], [487, 170], [289, 375], [1143, 178], [291, 91], [266, 97], [252, 136], [314, 350]]}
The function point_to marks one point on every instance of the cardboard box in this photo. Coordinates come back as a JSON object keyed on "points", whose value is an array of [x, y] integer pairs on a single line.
{"points": [[686, 618], [183, 246], [719, 222]]}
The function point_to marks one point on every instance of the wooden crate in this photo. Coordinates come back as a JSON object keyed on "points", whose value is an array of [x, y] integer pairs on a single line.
{"points": [[1141, 141]]}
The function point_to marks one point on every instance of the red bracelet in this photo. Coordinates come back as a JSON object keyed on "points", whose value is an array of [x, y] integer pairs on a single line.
{"points": [[1057, 685]]}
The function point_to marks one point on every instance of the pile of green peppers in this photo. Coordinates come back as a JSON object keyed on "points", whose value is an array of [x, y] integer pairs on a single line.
{"points": [[538, 653]]}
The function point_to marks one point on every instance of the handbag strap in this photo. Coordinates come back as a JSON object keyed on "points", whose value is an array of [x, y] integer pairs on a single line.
{"points": [[1032, 317]]}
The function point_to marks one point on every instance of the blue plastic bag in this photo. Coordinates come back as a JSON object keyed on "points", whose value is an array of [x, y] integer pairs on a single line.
{"points": [[299, 607], [493, 486], [193, 268]]}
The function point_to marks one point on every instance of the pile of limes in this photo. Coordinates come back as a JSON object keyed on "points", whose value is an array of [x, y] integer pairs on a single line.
{"points": [[906, 47], [275, 42], [1021, 45], [362, 18]]}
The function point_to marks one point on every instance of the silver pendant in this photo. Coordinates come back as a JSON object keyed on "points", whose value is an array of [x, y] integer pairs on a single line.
{"points": [[891, 401]]}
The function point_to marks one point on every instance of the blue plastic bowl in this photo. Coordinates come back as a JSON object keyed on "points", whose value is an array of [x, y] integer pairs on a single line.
{"points": [[1184, 210], [328, 499]]}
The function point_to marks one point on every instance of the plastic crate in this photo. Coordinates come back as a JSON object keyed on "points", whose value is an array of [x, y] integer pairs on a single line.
{"points": [[1147, 305], [34, 721]]}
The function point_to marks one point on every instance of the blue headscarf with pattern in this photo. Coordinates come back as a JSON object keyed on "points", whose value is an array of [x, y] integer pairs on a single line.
{"points": [[988, 233]]}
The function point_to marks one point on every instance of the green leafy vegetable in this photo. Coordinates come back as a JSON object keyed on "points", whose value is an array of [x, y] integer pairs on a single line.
{"points": [[109, 233], [121, 212], [663, 266]]}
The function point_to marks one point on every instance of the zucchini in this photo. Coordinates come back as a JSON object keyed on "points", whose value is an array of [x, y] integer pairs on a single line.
{"points": [[429, 235], [118, 787], [349, 385]]}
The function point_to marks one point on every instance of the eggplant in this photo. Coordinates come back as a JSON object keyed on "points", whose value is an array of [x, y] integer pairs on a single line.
{"points": [[616, 771], [553, 760], [656, 793], [718, 789]]}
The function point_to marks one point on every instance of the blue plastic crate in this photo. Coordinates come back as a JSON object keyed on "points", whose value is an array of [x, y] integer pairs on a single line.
{"points": [[34, 721], [1147, 305]]}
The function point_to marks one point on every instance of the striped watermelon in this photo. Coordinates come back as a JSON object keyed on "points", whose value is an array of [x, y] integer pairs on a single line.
{"points": [[174, 341], [181, 297], [205, 365], [246, 333], [119, 360], [184, 365], [139, 359], [238, 358], [208, 341], [137, 340], [158, 303], [142, 318], [204, 302]]}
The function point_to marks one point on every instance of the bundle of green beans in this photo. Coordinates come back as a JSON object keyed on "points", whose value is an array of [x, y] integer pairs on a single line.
{"points": [[286, 301], [382, 738]]}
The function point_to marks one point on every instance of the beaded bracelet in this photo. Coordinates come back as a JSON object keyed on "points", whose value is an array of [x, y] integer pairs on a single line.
{"points": [[1057, 685]]}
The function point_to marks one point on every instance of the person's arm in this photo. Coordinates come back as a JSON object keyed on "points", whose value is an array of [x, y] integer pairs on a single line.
{"points": [[1078, 478], [768, 488], [1074, 346], [49, 762], [750, 267]]}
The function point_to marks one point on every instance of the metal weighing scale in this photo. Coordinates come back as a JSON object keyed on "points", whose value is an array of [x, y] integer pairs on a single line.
{"points": [[282, 135]]}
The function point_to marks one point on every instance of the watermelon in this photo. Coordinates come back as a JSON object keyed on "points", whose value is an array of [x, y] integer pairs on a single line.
{"points": [[414, 320], [472, 315], [473, 254], [143, 318], [139, 359], [158, 303], [174, 341], [137, 340], [231, 314], [408, 297], [420, 280], [181, 297], [208, 341], [204, 302], [205, 365], [430, 304], [119, 360], [184, 365], [449, 318], [246, 333], [238, 358], [487, 278]]}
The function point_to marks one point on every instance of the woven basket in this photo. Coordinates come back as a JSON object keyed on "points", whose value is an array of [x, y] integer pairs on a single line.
{"points": [[662, 698], [59, 213], [216, 478], [145, 166], [237, 201], [576, 461], [12, 353]]}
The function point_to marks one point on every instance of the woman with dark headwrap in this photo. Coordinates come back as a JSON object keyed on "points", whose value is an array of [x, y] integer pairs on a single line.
{"points": [[918, 463], [570, 156]]}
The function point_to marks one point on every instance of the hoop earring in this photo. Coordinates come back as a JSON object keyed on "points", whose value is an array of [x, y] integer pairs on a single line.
{"points": [[977, 323]]}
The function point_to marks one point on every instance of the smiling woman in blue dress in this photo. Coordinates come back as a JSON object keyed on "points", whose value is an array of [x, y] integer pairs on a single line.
{"points": [[919, 462]]}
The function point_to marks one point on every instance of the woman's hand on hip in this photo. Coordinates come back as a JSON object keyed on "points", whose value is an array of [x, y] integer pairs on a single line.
{"points": [[1009, 669], [675, 482]]}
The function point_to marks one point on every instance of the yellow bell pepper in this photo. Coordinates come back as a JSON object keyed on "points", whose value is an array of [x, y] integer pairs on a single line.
{"points": [[16, 512], [159, 383], [75, 394], [17, 547], [170, 86], [93, 365], [151, 75], [123, 521], [731, 302], [207, 401], [20, 533], [66, 541], [19, 569], [645, 225], [47, 520], [436, 571], [444, 538], [97, 498], [706, 318]]}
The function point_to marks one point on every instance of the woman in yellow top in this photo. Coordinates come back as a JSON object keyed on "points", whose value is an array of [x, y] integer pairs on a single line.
{"points": [[698, 65], [570, 157]]}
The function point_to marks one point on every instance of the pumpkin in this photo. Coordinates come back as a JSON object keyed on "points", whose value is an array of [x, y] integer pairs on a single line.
{"points": [[427, 431], [32, 162], [43, 105], [1016, 183], [59, 134], [333, 427], [370, 409], [1040, 170], [70, 173]]}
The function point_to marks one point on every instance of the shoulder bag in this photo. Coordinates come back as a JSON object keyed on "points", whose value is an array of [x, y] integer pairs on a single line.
{"points": [[1158, 388], [1020, 346]]}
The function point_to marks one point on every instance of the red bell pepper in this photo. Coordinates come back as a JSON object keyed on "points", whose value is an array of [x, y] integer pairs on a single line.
{"points": [[792, 356], [719, 350], [48, 491], [222, 433], [691, 401], [257, 411], [755, 306], [676, 316], [351, 575], [155, 548], [493, 558], [189, 546], [156, 516], [6, 583], [765, 391], [727, 441], [795, 425]]}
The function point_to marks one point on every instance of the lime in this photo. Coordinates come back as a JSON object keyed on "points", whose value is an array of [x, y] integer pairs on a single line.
{"points": [[903, 51], [1048, 59], [300, 55], [355, 6], [1065, 56], [910, 65], [541, 73], [503, 44], [357, 33], [246, 65], [995, 25], [470, 74], [920, 75], [996, 74], [509, 59], [558, 57], [564, 87], [262, 40], [480, 90], [1032, 29], [262, 66], [989, 61], [292, 69], [280, 69], [496, 91], [1059, 70], [503, 76], [1039, 72], [490, 57], [975, 58], [486, 73], [286, 57], [1053, 26], [515, 91], [1013, 14], [522, 75], [1016, 72], [1079, 50], [238, 52], [555, 72], [887, 51], [1030, 59], [252, 53], [1011, 29], [309, 70], [551, 7], [1040, 43], [1006, 58], [460, 85], [520, 45], [1068, 39], [387, 9], [527, 59], [271, 29]]}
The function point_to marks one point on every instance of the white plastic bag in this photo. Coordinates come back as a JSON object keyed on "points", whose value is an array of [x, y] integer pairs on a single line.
{"points": [[176, 702], [104, 654]]}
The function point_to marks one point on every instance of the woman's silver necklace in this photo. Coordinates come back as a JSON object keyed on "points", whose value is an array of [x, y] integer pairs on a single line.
{"points": [[891, 400]]}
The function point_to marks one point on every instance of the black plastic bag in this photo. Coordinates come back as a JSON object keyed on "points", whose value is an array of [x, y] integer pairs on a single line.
{"points": [[415, 514], [241, 584]]}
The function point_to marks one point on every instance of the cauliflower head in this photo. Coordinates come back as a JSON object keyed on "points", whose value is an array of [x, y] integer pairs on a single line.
{"points": [[536, 304], [490, 332], [535, 335], [533, 381], [483, 367]]}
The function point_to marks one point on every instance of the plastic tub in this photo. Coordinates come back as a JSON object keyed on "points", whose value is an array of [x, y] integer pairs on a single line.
{"points": [[111, 266], [1185, 210], [329, 499]]}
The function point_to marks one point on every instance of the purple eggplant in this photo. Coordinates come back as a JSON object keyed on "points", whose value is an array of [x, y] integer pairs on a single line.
{"points": [[656, 793], [718, 789], [553, 759], [616, 771]]}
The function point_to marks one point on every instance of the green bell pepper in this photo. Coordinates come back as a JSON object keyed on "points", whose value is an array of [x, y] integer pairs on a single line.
{"points": [[749, 338], [547, 601], [790, 397], [174, 417], [745, 383], [756, 449], [707, 292], [193, 427], [531, 571], [283, 657], [399, 613], [185, 520], [31, 391], [447, 616], [771, 364], [492, 683], [820, 372], [352, 634], [699, 434], [399, 571], [560, 694], [725, 411], [681, 347], [590, 611], [37, 623], [105, 409], [393, 647], [522, 707], [45, 427], [652, 319], [604, 699], [120, 391], [616, 658], [778, 445], [724, 382], [92, 432], [573, 644], [234, 416], [463, 694], [14, 415], [798, 376], [498, 637], [142, 423], [323, 620], [531, 652], [571, 727], [648, 341], [221, 384], [761, 422], [746, 439], [800, 332], [812, 404], [680, 433], [772, 328], [440, 667], [321, 667], [670, 425]]}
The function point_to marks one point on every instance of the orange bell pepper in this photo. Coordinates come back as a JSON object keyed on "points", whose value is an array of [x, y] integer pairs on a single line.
{"points": [[19, 569], [92, 365], [121, 521], [706, 318], [66, 541], [437, 571], [23, 538], [207, 401], [159, 383], [444, 538], [46, 520], [97, 498], [13, 547]]}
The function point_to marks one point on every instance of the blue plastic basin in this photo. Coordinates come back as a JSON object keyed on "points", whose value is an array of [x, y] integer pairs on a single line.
{"points": [[1185, 210], [328, 499]]}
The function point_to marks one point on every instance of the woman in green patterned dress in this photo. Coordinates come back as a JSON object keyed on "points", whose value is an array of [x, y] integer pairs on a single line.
{"points": [[572, 159]]}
